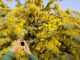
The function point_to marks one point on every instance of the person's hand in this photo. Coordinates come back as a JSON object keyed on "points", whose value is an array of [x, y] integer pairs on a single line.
{"points": [[26, 48], [15, 46]]}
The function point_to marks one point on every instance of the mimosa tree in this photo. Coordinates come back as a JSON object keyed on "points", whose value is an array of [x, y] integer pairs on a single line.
{"points": [[50, 36]]}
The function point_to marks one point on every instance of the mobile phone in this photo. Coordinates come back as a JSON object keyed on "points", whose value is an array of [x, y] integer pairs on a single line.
{"points": [[22, 43]]}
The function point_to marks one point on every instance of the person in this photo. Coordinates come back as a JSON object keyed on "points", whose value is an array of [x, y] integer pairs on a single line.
{"points": [[14, 49]]}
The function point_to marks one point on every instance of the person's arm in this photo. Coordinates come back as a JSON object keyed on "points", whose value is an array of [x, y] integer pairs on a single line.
{"points": [[8, 56], [32, 57], [14, 49], [27, 50]]}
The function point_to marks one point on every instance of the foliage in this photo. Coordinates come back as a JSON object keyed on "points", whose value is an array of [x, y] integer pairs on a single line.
{"points": [[34, 23]]}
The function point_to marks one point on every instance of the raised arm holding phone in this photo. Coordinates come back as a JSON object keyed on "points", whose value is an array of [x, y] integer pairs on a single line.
{"points": [[14, 49]]}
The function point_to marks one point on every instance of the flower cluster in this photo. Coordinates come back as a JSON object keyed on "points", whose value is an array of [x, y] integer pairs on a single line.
{"points": [[50, 35]]}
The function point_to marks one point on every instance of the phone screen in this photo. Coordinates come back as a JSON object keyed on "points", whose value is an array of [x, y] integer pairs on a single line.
{"points": [[22, 43]]}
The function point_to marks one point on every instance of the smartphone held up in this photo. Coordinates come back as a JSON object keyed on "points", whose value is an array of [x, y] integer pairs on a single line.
{"points": [[22, 43]]}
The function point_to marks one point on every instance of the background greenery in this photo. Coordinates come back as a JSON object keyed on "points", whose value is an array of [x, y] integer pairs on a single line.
{"points": [[51, 36]]}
